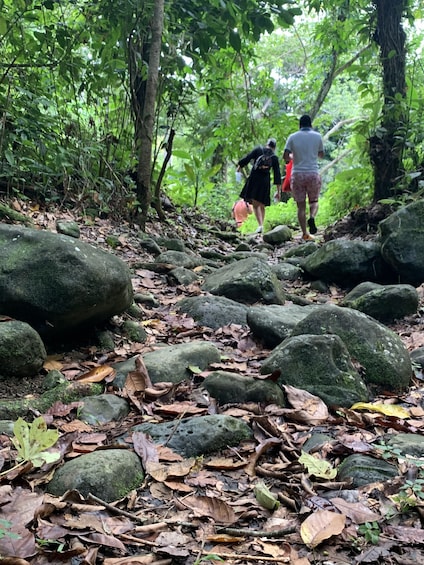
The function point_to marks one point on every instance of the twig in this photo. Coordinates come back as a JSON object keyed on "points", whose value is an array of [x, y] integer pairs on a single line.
{"points": [[240, 557], [174, 429], [258, 533], [114, 509]]}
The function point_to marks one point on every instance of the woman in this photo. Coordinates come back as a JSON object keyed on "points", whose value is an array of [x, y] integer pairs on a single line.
{"points": [[258, 185]]}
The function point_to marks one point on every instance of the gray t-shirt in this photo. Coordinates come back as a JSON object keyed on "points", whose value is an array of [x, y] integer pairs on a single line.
{"points": [[305, 145]]}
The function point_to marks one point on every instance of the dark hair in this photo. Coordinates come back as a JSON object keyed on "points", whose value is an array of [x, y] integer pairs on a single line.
{"points": [[271, 143], [305, 121]]}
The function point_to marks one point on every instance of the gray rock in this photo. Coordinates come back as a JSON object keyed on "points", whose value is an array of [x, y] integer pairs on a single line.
{"points": [[346, 262], [134, 331], [273, 323], [58, 284], [181, 275], [22, 352], [364, 469], [378, 349], [248, 281], [199, 435], [402, 242], [301, 250], [149, 244], [109, 474], [406, 444], [385, 303], [287, 271], [68, 228], [172, 244], [278, 235], [320, 364], [172, 363], [213, 311], [103, 408], [146, 298], [180, 259], [417, 357], [229, 388]]}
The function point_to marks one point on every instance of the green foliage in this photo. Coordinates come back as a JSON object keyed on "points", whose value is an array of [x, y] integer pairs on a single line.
{"points": [[32, 440], [371, 532], [208, 557]]}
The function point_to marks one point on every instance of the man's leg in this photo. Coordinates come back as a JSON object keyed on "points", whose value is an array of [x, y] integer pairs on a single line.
{"points": [[301, 216], [313, 210]]}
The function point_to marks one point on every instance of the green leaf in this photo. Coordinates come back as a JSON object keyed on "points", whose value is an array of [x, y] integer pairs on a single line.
{"points": [[317, 467], [235, 41], [265, 497], [31, 441], [3, 26]]}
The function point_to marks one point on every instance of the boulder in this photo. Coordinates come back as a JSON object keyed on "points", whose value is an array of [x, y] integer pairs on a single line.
{"points": [[199, 435], [109, 474], [402, 242], [278, 235], [57, 283], [381, 352], [214, 311], [22, 352], [248, 281], [320, 364], [228, 388], [385, 303], [347, 262], [172, 363], [272, 323]]}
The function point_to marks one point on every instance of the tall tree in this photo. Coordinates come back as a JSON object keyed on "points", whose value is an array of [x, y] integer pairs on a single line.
{"points": [[387, 143], [145, 139]]}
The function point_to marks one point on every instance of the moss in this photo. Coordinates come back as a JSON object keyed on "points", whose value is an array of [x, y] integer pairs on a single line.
{"points": [[66, 393]]}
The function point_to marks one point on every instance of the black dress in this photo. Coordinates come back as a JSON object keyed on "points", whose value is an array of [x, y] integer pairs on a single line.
{"points": [[258, 184]]}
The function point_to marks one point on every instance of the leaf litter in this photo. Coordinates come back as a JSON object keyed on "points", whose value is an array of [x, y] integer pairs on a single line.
{"points": [[262, 502]]}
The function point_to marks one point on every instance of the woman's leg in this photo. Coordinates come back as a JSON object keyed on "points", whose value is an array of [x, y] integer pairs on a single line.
{"points": [[259, 211]]}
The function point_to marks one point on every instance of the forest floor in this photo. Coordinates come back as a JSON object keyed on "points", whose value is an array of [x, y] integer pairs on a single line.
{"points": [[190, 510]]}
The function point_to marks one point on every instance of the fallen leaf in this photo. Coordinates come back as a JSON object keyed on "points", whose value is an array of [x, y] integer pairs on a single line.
{"points": [[97, 375], [320, 526], [317, 467], [386, 409], [210, 506], [356, 511]]}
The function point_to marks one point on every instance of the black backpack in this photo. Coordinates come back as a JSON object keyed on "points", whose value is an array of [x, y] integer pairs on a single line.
{"points": [[264, 161]]}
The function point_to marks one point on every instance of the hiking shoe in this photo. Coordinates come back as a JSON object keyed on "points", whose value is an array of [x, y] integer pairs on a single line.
{"points": [[259, 229], [312, 226], [307, 237]]}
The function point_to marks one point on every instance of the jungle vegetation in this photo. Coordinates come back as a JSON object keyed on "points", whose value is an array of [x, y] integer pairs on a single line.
{"points": [[109, 105]]}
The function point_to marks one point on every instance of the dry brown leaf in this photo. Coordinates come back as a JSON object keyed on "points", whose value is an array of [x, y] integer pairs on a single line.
{"points": [[75, 426], [320, 526], [145, 448], [224, 463], [52, 364], [356, 511], [97, 374], [308, 408], [161, 472], [210, 506]]}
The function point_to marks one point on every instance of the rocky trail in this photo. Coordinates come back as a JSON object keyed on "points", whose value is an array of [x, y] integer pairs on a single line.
{"points": [[262, 502]]}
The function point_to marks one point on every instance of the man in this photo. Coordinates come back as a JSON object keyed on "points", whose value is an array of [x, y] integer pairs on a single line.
{"points": [[307, 146], [258, 185]]}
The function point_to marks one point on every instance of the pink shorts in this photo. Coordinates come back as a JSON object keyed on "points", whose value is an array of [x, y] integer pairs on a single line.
{"points": [[305, 184]]}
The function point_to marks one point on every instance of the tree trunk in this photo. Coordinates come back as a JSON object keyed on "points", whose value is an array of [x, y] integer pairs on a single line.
{"points": [[386, 145], [145, 140]]}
